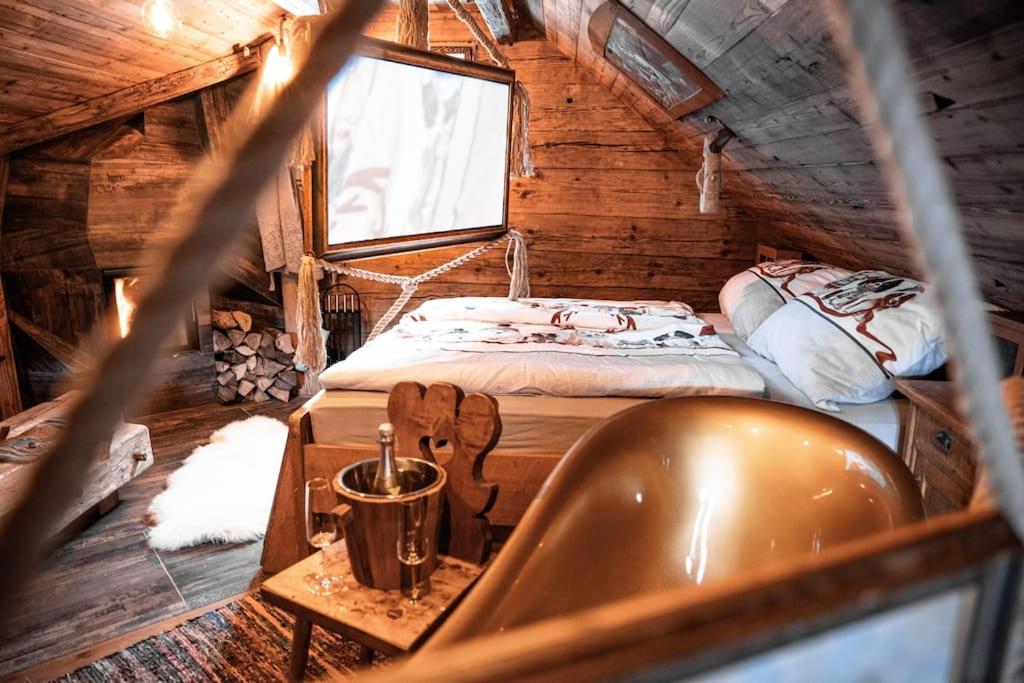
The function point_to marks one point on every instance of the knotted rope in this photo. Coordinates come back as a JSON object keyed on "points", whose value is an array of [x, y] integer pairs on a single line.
{"points": [[311, 351]]}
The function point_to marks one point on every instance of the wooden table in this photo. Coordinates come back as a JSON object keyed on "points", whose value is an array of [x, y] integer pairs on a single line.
{"points": [[378, 620]]}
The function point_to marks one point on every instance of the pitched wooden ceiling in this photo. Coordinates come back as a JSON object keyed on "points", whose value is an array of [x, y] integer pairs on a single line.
{"points": [[54, 53], [801, 141], [803, 158]]}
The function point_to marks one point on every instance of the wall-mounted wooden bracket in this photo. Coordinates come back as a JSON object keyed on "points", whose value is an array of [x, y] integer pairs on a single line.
{"points": [[725, 134]]}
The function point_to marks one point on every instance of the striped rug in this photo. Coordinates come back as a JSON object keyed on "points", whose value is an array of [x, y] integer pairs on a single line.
{"points": [[246, 640]]}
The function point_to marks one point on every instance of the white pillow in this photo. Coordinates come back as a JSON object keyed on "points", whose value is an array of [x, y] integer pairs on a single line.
{"points": [[847, 340], [748, 298]]}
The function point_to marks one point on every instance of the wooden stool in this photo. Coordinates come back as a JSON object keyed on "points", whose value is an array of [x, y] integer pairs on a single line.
{"points": [[382, 621]]}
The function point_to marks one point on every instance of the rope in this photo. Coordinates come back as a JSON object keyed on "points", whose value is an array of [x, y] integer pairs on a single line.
{"points": [[519, 284], [869, 33], [481, 37]]}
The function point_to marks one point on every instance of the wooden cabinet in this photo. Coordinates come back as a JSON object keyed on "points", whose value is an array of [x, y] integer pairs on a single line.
{"points": [[936, 446]]}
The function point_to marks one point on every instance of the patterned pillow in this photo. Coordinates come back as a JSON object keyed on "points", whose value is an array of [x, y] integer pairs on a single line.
{"points": [[847, 340], [748, 298]]}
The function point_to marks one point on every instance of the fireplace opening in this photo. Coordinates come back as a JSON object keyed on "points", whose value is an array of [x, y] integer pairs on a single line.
{"points": [[124, 290]]}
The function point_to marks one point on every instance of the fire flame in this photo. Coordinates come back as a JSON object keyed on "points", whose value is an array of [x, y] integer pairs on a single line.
{"points": [[125, 305]]}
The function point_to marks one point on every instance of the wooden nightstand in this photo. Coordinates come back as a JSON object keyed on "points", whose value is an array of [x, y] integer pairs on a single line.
{"points": [[936, 446]]}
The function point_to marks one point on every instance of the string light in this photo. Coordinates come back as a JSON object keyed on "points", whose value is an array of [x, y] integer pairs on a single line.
{"points": [[161, 18]]}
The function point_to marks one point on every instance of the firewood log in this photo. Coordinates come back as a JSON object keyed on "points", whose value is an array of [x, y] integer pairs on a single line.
{"points": [[220, 342], [284, 343], [280, 393], [223, 320], [243, 319]]}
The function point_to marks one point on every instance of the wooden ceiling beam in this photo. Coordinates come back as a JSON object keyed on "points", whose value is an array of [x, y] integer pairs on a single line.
{"points": [[126, 101], [498, 19]]}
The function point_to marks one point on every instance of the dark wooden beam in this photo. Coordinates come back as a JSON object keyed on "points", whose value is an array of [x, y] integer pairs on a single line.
{"points": [[125, 102], [55, 346], [10, 395], [498, 19]]}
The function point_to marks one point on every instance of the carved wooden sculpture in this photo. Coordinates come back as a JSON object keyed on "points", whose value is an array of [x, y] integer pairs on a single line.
{"points": [[443, 414]]}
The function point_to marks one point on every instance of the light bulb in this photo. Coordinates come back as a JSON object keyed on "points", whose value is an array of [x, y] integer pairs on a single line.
{"points": [[278, 68], [161, 17]]}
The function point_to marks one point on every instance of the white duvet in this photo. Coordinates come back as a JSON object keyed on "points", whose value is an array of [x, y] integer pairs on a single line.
{"points": [[556, 347]]}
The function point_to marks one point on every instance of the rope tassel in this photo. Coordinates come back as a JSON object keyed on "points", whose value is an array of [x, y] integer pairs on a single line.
{"points": [[522, 156], [519, 273], [311, 351]]}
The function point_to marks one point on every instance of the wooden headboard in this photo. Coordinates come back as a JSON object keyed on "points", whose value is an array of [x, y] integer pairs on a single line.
{"points": [[768, 253]]}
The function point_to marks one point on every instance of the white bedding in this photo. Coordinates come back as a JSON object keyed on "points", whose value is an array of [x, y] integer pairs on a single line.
{"points": [[565, 358], [390, 358], [881, 419]]}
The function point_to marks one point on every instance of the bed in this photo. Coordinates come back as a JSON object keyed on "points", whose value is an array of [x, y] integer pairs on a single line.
{"points": [[533, 423], [547, 399]]}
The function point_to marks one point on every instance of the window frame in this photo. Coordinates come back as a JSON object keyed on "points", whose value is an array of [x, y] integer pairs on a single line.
{"points": [[370, 47]]}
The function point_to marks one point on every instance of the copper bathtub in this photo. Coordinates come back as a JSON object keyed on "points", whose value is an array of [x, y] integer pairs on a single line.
{"points": [[682, 492]]}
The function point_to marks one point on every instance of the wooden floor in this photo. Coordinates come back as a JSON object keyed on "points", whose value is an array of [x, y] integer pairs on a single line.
{"points": [[107, 581]]}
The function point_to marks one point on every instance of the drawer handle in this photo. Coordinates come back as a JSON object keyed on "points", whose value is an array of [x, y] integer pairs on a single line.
{"points": [[944, 441]]}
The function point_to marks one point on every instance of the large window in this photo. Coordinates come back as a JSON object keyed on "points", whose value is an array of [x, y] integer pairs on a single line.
{"points": [[416, 151]]}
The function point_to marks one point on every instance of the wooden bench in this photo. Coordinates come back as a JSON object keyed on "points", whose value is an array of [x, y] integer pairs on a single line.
{"points": [[28, 435]]}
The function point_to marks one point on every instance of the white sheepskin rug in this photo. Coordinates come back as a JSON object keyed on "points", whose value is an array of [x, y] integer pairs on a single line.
{"points": [[223, 492]]}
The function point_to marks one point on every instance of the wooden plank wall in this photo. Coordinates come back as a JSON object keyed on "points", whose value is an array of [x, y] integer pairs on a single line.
{"points": [[86, 203], [802, 147], [613, 213]]}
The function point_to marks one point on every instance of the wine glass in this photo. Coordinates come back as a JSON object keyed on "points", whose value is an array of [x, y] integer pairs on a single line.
{"points": [[321, 531], [413, 549]]}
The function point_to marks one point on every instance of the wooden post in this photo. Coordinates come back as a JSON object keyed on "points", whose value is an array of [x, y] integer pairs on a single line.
{"points": [[10, 394]]}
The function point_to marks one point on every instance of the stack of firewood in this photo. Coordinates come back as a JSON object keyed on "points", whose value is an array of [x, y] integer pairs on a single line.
{"points": [[251, 365]]}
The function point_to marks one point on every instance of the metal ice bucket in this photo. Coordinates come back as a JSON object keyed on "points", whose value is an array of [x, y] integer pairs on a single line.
{"points": [[371, 530]]}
